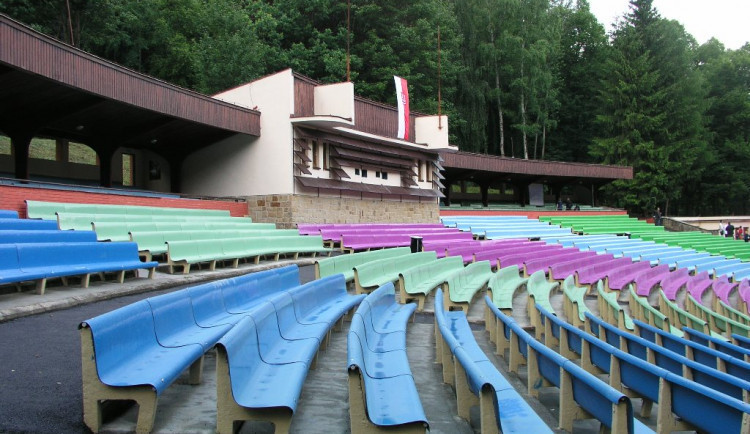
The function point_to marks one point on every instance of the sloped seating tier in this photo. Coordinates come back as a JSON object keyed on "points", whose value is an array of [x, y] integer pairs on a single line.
{"points": [[372, 274], [717, 344], [41, 261], [355, 242], [263, 361], [621, 278], [8, 214], [468, 252], [694, 351], [503, 285], [538, 232], [539, 290], [646, 281], [561, 270], [574, 305], [46, 236], [120, 231], [517, 256], [679, 317], [461, 287], [610, 309], [315, 228], [74, 221], [334, 235], [137, 351], [717, 323], [345, 263], [46, 210], [416, 283], [186, 253], [476, 380], [641, 309], [16, 224], [589, 276], [581, 394], [440, 246], [652, 372], [699, 285], [153, 243], [532, 265], [674, 282], [382, 392]]}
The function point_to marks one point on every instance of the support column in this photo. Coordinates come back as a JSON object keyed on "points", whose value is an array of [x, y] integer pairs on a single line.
{"points": [[522, 192], [484, 188], [448, 187], [175, 175], [105, 154], [20, 143]]}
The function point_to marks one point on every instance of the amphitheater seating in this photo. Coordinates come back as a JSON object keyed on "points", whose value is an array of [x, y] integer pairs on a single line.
{"points": [[533, 265], [619, 279], [561, 270], [717, 344], [416, 283], [626, 358], [674, 282], [8, 214], [611, 311], [154, 243], [186, 253], [717, 323], [476, 380], [646, 281], [263, 361], [332, 236], [16, 224], [461, 286], [42, 261], [370, 275], [506, 260], [440, 246], [588, 276], [120, 231], [83, 221], [679, 317], [468, 252], [345, 263], [694, 351], [382, 392], [503, 285], [538, 289], [356, 242], [574, 304], [45, 236], [581, 394], [641, 309], [47, 210], [315, 228]]}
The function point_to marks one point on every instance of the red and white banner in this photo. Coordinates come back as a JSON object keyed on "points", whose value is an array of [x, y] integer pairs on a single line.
{"points": [[402, 98]]}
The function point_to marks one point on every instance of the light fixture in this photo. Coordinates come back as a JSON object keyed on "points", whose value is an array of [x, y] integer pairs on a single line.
{"points": [[153, 141], [79, 128]]}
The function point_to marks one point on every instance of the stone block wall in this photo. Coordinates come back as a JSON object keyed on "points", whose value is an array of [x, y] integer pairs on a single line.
{"points": [[288, 210]]}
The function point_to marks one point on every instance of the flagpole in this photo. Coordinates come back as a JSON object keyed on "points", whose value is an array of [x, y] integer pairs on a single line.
{"points": [[348, 31]]}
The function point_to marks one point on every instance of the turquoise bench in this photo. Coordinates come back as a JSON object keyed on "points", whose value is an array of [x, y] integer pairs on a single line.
{"points": [[461, 287], [382, 392], [47, 210], [416, 283], [539, 290], [574, 304], [120, 231], [345, 263], [503, 285]]}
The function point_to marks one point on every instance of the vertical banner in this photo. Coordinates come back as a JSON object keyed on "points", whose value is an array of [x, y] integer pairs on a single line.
{"points": [[402, 98], [536, 194]]}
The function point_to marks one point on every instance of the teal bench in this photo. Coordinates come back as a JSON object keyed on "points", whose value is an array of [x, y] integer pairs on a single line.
{"points": [[461, 287], [416, 283], [370, 275], [345, 263]]}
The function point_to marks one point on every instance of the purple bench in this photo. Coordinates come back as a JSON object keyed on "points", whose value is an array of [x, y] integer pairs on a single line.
{"points": [[698, 285], [618, 279], [531, 266], [383, 240], [315, 228], [494, 253], [468, 252], [562, 270], [334, 235], [744, 291], [722, 289], [587, 276], [518, 256], [645, 282], [672, 284], [440, 246]]}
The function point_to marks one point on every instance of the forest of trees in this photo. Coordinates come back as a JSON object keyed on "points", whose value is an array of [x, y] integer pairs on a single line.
{"points": [[537, 79]]}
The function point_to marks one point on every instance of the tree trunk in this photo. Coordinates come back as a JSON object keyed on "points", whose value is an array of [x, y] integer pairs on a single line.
{"points": [[544, 138], [497, 89]]}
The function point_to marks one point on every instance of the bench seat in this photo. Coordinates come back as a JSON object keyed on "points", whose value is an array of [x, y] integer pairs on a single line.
{"points": [[416, 283], [461, 286], [373, 274]]}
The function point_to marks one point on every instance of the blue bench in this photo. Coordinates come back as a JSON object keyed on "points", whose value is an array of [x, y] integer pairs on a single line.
{"points": [[46, 236], [8, 214], [736, 351], [27, 225], [581, 394], [41, 261], [382, 393], [477, 381], [701, 354], [699, 407]]}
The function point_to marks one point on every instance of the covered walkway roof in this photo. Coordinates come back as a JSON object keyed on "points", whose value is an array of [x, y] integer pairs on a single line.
{"points": [[51, 89]]}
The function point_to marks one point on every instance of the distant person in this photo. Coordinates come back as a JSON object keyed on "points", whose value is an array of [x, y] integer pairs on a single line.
{"points": [[657, 216], [568, 204], [559, 204], [729, 230], [721, 228], [747, 235], [577, 208], [739, 234]]}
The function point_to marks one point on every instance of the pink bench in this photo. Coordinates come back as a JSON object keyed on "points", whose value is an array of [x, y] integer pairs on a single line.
{"points": [[334, 235], [562, 270], [531, 266], [468, 252], [672, 284], [588, 276], [645, 282], [440, 246], [496, 252], [618, 279], [722, 290], [744, 291]]}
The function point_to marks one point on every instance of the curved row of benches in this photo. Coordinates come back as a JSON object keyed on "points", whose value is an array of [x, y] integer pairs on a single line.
{"points": [[267, 327]]}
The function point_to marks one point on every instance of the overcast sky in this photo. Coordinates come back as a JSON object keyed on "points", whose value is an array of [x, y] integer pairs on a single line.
{"points": [[726, 20]]}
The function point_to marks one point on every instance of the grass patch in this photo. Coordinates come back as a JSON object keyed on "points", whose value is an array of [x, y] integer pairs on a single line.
{"points": [[45, 149]]}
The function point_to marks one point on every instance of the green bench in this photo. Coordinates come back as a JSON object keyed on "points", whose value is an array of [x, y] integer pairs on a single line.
{"points": [[731, 312], [416, 283], [153, 243], [460, 287], [370, 275], [679, 317], [611, 311], [574, 305], [642, 310], [120, 231], [503, 285], [539, 290], [717, 323], [46, 210], [188, 252], [345, 264], [80, 221]]}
